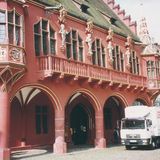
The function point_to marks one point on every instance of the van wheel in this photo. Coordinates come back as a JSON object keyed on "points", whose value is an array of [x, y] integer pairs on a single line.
{"points": [[128, 147]]}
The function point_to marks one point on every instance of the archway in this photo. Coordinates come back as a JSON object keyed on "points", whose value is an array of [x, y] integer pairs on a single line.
{"points": [[80, 121], [113, 113], [32, 113]]}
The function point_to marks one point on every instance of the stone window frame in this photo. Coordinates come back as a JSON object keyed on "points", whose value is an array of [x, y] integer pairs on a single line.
{"points": [[118, 59], [16, 23], [134, 63], [74, 46], [150, 69], [44, 38], [98, 53]]}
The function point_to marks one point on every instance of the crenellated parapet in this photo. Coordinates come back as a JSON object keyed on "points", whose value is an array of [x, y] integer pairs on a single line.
{"points": [[122, 15], [133, 26], [116, 8], [110, 3], [127, 20]]}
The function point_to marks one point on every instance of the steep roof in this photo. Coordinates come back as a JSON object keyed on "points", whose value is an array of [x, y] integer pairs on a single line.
{"points": [[96, 10]]}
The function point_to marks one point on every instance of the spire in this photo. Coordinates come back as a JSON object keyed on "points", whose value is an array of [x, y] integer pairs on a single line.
{"points": [[143, 32]]}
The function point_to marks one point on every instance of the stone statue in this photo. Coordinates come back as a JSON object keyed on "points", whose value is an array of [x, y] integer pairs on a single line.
{"points": [[89, 42], [109, 39], [62, 15], [63, 33], [89, 28], [110, 49]]}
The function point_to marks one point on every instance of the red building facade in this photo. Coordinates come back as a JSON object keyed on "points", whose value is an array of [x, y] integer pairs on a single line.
{"points": [[67, 71]]}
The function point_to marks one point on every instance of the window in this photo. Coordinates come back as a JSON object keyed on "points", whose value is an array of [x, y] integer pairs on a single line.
{"points": [[98, 56], [14, 25], [15, 28], [2, 26], [41, 117], [44, 38], [118, 59], [74, 46], [134, 63], [150, 69], [157, 63]]}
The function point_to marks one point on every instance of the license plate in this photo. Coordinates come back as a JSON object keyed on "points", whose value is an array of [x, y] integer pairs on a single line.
{"points": [[133, 141]]}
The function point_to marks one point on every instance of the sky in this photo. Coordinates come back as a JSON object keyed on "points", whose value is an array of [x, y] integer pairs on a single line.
{"points": [[150, 9]]}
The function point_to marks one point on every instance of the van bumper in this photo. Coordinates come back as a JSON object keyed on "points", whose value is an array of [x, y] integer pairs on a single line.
{"points": [[135, 142]]}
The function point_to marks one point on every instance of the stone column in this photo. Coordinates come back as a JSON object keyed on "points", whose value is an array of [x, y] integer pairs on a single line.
{"points": [[4, 126], [60, 145], [100, 141]]}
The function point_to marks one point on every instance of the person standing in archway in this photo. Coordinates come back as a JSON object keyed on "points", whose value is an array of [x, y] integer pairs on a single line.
{"points": [[116, 135]]}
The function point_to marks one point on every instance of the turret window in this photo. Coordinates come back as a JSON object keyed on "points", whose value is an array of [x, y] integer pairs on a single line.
{"points": [[150, 69], [44, 38], [157, 63], [15, 28], [2, 26]]}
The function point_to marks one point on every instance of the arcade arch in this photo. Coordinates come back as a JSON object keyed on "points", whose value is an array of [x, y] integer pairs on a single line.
{"points": [[32, 116], [79, 120], [113, 112]]}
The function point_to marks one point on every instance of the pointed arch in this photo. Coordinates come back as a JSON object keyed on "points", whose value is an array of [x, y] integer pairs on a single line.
{"points": [[55, 100], [90, 96]]}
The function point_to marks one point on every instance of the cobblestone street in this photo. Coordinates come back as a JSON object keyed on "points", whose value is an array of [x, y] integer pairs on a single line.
{"points": [[110, 153]]}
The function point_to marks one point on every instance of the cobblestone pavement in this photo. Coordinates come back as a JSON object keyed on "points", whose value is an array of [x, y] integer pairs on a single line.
{"points": [[110, 153]]}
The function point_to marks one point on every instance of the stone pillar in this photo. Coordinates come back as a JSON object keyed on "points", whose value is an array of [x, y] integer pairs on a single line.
{"points": [[100, 141], [4, 126], [60, 145]]}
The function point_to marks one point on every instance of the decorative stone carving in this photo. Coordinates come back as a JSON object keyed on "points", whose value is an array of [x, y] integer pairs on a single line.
{"points": [[16, 55], [89, 28], [89, 42], [110, 35], [62, 15], [109, 39], [63, 33], [128, 46], [128, 43], [9, 76], [89, 32]]}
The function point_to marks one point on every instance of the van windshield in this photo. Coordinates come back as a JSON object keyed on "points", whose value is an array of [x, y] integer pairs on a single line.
{"points": [[133, 124]]}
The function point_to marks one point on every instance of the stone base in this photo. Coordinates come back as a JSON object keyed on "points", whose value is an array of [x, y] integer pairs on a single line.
{"points": [[59, 146], [100, 143], [4, 154]]}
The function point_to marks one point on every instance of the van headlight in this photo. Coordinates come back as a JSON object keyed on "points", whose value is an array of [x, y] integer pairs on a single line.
{"points": [[145, 141]]}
